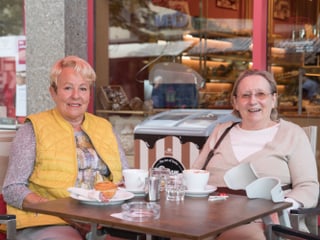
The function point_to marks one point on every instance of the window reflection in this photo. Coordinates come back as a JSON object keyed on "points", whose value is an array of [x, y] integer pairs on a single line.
{"points": [[12, 60], [294, 53], [212, 39]]}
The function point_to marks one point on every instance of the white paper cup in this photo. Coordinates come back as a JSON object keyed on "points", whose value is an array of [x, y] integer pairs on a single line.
{"points": [[134, 179], [195, 179]]}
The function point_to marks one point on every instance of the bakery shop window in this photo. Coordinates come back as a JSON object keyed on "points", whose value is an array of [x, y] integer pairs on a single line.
{"points": [[294, 54], [215, 40], [195, 47]]}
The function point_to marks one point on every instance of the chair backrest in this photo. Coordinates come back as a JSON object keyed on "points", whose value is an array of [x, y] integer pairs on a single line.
{"points": [[311, 132], [6, 138]]}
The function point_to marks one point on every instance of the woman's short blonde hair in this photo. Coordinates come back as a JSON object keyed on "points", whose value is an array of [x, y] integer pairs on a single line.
{"points": [[78, 64], [267, 76]]}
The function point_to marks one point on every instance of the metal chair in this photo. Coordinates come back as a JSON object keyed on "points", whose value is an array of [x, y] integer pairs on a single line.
{"points": [[10, 221], [6, 138], [307, 215], [276, 231]]}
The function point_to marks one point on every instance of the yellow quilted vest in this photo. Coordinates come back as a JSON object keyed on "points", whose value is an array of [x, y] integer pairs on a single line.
{"points": [[56, 164]]}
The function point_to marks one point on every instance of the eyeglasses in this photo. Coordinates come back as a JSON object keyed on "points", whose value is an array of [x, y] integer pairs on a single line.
{"points": [[257, 95]]}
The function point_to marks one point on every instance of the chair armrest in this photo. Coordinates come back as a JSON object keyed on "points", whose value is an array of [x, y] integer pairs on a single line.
{"points": [[313, 211], [287, 232], [10, 221], [7, 217]]}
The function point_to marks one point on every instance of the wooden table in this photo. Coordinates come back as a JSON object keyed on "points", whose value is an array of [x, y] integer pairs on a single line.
{"points": [[194, 218]]}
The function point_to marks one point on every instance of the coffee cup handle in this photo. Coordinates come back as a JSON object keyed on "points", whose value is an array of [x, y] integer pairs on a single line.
{"points": [[141, 182]]}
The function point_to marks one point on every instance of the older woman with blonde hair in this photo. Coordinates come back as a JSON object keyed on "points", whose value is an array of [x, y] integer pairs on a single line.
{"points": [[60, 148]]}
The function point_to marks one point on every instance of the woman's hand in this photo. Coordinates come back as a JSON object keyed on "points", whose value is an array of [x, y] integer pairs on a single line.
{"points": [[33, 198]]}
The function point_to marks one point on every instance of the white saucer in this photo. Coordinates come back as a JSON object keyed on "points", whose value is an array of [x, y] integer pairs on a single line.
{"points": [[203, 193]]}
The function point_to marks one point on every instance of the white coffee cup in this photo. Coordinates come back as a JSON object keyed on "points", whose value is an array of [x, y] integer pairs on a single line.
{"points": [[195, 179], [134, 179]]}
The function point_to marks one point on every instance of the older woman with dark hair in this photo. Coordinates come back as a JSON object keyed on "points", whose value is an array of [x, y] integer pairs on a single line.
{"points": [[273, 147]]}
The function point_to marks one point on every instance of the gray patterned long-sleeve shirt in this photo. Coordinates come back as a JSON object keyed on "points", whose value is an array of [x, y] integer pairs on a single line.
{"points": [[21, 164]]}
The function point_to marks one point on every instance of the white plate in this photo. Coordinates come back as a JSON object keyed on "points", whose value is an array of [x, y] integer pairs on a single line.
{"points": [[204, 193], [136, 192], [118, 198]]}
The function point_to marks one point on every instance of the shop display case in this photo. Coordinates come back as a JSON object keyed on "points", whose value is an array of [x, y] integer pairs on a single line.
{"points": [[213, 39], [186, 33], [293, 43]]}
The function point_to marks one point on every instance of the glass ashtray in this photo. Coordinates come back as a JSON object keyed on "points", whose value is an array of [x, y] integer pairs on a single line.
{"points": [[140, 211]]}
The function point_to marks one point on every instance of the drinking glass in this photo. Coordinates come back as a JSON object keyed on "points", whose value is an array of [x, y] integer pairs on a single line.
{"points": [[175, 189], [162, 173]]}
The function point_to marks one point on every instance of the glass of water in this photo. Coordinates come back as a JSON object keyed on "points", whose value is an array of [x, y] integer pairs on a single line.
{"points": [[162, 173], [175, 189]]}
